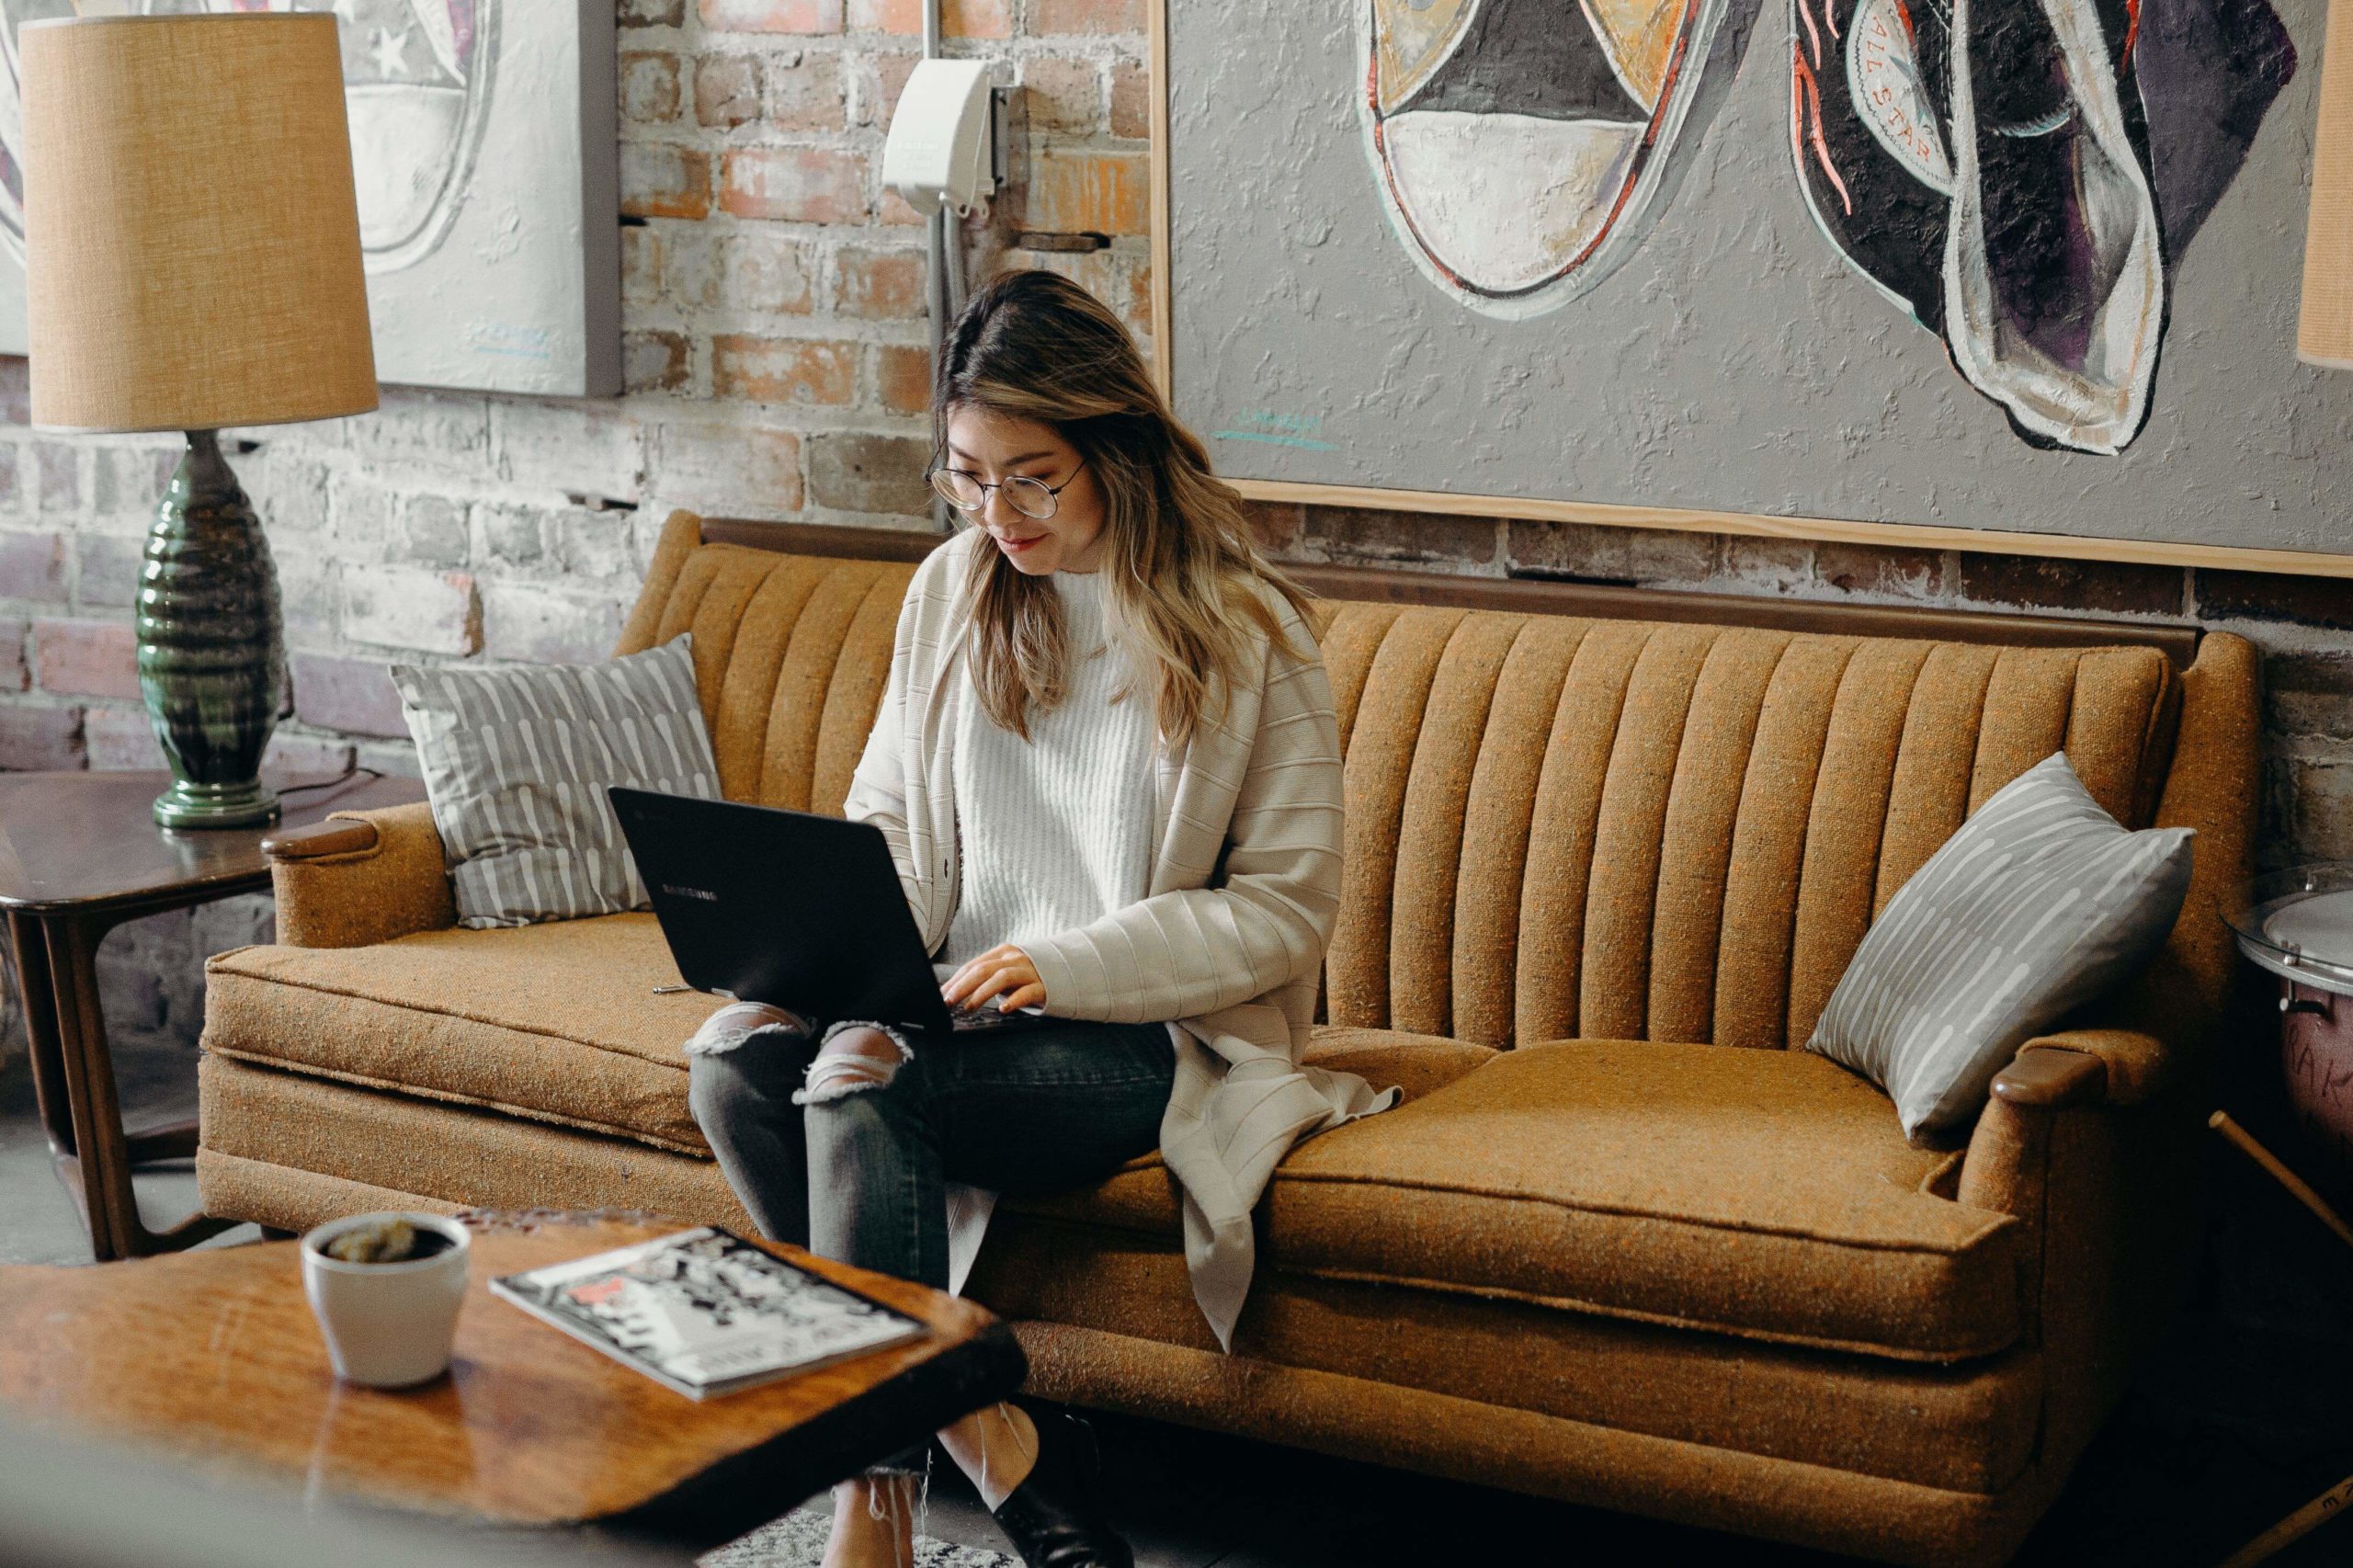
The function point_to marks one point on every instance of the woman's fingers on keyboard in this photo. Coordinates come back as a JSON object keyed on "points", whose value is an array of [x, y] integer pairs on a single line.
{"points": [[988, 974]]}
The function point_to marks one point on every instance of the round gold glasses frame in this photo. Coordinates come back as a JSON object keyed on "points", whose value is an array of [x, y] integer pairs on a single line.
{"points": [[1031, 497]]}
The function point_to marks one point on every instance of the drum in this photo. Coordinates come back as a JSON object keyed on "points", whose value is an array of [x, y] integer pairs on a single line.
{"points": [[2298, 924]]}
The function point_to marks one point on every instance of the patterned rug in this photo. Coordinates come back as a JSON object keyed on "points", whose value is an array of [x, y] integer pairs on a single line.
{"points": [[798, 1540]]}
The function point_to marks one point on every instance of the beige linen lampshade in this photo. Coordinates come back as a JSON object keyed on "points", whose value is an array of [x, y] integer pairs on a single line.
{"points": [[2324, 333], [192, 236]]}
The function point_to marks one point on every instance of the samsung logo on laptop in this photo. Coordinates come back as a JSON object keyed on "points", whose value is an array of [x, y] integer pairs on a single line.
{"points": [[703, 894]]}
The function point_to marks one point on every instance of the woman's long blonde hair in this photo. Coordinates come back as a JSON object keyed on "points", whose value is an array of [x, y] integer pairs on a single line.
{"points": [[1180, 564]]}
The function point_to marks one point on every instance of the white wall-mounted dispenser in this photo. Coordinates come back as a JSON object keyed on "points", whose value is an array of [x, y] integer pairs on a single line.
{"points": [[945, 147]]}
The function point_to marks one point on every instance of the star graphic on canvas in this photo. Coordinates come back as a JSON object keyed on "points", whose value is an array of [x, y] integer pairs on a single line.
{"points": [[390, 50]]}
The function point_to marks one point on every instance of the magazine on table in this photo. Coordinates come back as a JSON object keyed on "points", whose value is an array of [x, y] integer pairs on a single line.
{"points": [[706, 1312]]}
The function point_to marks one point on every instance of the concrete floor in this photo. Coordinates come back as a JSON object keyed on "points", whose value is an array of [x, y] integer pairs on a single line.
{"points": [[2172, 1481]]}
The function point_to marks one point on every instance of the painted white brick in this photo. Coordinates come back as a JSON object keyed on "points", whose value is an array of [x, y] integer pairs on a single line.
{"points": [[597, 546], [409, 607], [566, 449], [293, 755], [307, 596], [121, 739], [394, 759], [510, 534], [107, 569], [288, 488], [129, 480], [448, 432], [431, 532], [523, 622], [728, 470], [359, 514]]}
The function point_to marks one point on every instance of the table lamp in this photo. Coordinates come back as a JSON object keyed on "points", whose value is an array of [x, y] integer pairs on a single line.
{"points": [[192, 243]]}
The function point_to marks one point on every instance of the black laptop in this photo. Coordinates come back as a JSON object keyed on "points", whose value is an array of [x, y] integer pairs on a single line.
{"points": [[799, 911]]}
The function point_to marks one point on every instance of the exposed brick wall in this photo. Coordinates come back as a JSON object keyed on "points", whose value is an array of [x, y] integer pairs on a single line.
{"points": [[775, 353], [775, 356]]}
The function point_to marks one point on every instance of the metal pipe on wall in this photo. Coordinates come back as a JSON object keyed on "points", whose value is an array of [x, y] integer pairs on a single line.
{"points": [[937, 246]]}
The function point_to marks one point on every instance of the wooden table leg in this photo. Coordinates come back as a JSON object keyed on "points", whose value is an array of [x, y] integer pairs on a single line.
{"points": [[106, 1154], [173, 1141], [54, 1089]]}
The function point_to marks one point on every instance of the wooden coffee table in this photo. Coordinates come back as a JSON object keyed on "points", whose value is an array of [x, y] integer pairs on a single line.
{"points": [[213, 1358]]}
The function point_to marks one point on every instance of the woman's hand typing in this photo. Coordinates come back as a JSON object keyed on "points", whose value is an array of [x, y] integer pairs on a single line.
{"points": [[1004, 971]]}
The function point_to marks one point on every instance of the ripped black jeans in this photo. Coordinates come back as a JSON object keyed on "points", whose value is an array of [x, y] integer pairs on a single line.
{"points": [[859, 1173]]}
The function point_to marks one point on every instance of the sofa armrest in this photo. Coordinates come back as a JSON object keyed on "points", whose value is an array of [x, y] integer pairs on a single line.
{"points": [[2053, 1080], [2067, 1070], [2077, 1067], [360, 878], [348, 835]]}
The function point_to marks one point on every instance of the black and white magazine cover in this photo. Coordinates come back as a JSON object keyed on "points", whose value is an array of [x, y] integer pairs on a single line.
{"points": [[705, 1311]]}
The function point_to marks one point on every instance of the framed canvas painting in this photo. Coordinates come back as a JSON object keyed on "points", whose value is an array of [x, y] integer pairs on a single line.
{"points": [[482, 138], [2014, 275]]}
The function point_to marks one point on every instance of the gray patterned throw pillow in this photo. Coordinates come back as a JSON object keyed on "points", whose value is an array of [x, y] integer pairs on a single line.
{"points": [[516, 762], [2040, 902]]}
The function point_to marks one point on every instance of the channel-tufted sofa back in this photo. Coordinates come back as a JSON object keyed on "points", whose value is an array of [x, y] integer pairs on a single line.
{"points": [[791, 655], [1571, 828], [1622, 830]]}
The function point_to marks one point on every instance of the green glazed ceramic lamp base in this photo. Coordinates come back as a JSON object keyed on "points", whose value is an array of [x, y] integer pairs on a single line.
{"points": [[216, 805], [210, 663]]}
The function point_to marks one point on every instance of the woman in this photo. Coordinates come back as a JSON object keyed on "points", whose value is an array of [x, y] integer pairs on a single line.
{"points": [[1109, 771]]}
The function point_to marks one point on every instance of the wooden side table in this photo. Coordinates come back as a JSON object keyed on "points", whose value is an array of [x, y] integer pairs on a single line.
{"points": [[80, 854]]}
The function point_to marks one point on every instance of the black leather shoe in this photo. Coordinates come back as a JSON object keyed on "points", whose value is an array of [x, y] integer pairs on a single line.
{"points": [[1048, 1517]]}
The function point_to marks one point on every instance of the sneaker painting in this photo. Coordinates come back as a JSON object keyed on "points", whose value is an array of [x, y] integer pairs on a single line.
{"points": [[1523, 147], [2018, 173], [417, 82], [416, 85], [13, 15], [482, 153]]}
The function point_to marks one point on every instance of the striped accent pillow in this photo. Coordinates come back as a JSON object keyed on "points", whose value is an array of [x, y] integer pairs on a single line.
{"points": [[2039, 903], [516, 762]]}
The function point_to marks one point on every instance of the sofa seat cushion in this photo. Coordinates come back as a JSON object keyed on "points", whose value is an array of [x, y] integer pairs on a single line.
{"points": [[1763, 1193], [283, 1128], [1141, 1196], [557, 1022], [1970, 1428]]}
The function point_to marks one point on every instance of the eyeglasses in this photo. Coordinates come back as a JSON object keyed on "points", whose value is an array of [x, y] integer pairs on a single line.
{"points": [[1031, 497]]}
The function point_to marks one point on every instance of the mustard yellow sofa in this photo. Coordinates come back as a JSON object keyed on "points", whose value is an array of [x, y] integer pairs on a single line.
{"points": [[1623, 1245]]}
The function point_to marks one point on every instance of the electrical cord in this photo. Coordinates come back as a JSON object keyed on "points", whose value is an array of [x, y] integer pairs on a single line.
{"points": [[346, 776]]}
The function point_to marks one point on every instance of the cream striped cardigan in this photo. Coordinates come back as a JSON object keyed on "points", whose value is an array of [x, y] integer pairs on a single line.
{"points": [[1226, 943]]}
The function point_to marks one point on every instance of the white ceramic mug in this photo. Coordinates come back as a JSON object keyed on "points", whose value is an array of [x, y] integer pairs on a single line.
{"points": [[388, 1326]]}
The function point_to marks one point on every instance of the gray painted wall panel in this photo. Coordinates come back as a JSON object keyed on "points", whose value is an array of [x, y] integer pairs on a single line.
{"points": [[1735, 362]]}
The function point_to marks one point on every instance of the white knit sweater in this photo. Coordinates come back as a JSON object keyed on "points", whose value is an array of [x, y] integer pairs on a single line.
{"points": [[1057, 828], [1228, 940]]}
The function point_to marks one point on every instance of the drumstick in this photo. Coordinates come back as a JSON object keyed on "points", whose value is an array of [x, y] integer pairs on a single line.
{"points": [[2221, 1122], [2295, 1527], [2329, 1504]]}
